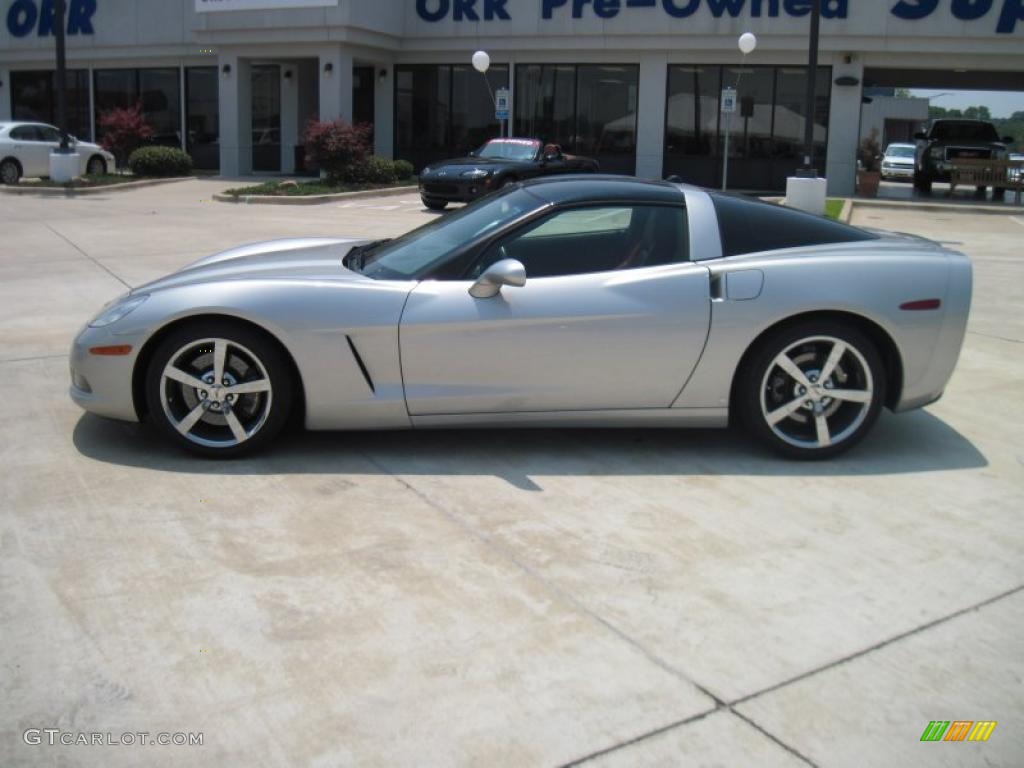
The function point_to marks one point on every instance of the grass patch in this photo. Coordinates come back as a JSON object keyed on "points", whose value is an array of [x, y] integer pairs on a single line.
{"points": [[833, 208], [307, 188], [84, 182]]}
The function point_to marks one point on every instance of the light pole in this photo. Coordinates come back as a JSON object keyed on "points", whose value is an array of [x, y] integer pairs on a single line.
{"points": [[812, 77], [747, 43]]}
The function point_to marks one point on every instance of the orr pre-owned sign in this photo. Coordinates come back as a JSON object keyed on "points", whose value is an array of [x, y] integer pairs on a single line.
{"points": [[207, 6], [1006, 12], [27, 16]]}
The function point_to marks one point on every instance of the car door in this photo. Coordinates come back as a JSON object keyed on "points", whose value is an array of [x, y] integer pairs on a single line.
{"points": [[612, 316], [31, 151]]}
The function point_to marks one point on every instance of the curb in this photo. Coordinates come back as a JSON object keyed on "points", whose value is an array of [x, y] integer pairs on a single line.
{"points": [[847, 212], [64, 192], [314, 199], [915, 205]]}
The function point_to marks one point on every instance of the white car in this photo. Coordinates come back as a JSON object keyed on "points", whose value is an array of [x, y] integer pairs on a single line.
{"points": [[25, 151], [898, 161], [1017, 170]]}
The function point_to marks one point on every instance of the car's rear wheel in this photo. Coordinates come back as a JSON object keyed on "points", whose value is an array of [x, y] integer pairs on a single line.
{"points": [[10, 172], [813, 390], [998, 192], [434, 204], [219, 389], [96, 166]]}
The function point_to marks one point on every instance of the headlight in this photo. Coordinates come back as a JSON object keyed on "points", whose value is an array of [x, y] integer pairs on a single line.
{"points": [[117, 310], [425, 171], [476, 173]]}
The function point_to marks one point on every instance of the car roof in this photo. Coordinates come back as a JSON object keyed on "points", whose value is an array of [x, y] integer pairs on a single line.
{"points": [[901, 144], [591, 188]]}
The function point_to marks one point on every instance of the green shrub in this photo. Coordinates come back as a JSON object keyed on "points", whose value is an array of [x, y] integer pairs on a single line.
{"points": [[160, 161], [403, 169], [370, 170]]}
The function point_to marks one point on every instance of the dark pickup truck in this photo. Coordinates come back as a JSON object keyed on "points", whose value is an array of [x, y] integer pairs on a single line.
{"points": [[947, 141]]}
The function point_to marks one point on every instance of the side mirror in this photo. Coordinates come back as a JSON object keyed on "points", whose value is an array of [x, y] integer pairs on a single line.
{"points": [[472, 153], [1008, 139], [551, 158], [919, 136], [504, 272]]}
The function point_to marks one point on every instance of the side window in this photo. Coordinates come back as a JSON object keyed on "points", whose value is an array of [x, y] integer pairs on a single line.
{"points": [[604, 238], [49, 134], [25, 133]]}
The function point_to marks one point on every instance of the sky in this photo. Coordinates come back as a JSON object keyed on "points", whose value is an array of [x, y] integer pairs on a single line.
{"points": [[1000, 103]]}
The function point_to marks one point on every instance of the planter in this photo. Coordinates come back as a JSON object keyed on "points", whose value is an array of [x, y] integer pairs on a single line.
{"points": [[867, 183]]}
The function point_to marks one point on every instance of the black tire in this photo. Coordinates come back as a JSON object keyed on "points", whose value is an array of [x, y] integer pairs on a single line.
{"points": [[922, 183], [10, 172], [96, 166], [764, 388], [998, 193], [981, 190], [434, 204], [261, 415]]}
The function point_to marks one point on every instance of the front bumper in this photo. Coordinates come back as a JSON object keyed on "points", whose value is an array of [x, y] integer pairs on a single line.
{"points": [[102, 384], [454, 190], [898, 172]]}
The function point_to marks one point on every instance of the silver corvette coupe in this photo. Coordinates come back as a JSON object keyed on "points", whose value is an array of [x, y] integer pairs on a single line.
{"points": [[586, 301]]}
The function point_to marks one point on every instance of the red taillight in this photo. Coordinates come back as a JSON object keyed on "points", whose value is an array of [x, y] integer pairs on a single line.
{"points": [[111, 351], [920, 304]]}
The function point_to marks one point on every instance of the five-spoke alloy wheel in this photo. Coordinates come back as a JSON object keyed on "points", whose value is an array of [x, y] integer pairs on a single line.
{"points": [[813, 390], [219, 391]]}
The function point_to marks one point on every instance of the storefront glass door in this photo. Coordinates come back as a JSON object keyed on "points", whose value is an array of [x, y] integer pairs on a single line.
{"points": [[266, 118]]}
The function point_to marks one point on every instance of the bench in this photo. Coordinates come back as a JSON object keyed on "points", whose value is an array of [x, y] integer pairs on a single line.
{"points": [[998, 174]]}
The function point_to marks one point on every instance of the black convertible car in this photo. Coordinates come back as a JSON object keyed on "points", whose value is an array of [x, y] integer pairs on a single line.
{"points": [[495, 164]]}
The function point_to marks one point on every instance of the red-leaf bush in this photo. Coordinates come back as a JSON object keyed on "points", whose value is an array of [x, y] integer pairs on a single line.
{"points": [[122, 131], [336, 146]]}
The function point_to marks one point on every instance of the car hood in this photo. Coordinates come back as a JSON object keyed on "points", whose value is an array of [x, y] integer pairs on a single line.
{"points": [[88, 145], [462, 163], [308, 258]]}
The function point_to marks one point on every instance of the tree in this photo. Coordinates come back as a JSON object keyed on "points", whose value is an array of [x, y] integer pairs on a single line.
{"points": [[978, 113], [123, 131], [903, 93]]}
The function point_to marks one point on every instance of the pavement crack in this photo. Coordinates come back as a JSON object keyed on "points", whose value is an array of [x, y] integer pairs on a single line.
{"points": [[878, 646], [792, 750], [90, 258], [510, 556], [994, 336], [31, 359]]}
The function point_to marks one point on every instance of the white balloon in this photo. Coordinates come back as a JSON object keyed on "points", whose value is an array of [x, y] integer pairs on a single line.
{"points": [[748, 42], [481, 61]]}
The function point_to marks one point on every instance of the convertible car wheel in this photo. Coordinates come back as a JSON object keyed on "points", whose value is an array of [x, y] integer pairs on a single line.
{"points": [[219, 390], [97, 166], [433, 204], [813, 391]]}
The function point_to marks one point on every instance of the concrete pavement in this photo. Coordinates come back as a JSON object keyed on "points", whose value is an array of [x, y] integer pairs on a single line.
{"points": [[627, 598]]}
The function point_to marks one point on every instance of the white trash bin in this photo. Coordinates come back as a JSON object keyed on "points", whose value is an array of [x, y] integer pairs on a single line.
{"points": [[63, 167], [806, 194]]}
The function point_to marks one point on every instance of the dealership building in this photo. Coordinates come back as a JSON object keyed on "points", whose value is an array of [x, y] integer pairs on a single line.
{"points": [[634, 83]]}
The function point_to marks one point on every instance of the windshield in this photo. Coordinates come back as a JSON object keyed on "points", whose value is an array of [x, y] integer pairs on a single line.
{"points": [[965, 131], [510, 149], [899, 152], [430, 245]]}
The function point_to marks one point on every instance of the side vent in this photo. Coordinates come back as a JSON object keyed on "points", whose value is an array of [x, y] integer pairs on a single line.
{"points": [[361, 364]]}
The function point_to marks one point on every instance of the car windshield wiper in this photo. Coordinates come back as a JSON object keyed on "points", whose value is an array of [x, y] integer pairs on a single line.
{"points": [[356, 258]]}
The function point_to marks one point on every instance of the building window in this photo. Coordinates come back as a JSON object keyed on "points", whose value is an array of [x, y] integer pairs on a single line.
{"points": [[34, 98], [202, 117], [765, 133], [157, 91], [444, 110], [587, 109]]}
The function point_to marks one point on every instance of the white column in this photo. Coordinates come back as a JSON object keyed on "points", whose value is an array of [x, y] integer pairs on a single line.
{"points": [[235, 115], [335, 84], [5, 93], [844, 128], [384, 111], [650, 124], [289, 117]]}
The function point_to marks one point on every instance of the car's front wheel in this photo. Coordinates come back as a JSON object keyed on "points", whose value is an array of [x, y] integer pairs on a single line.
{"points": [[813, 390], [97, 166], [434, 204], [10, 172], [922, 183], [219, 389]]}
